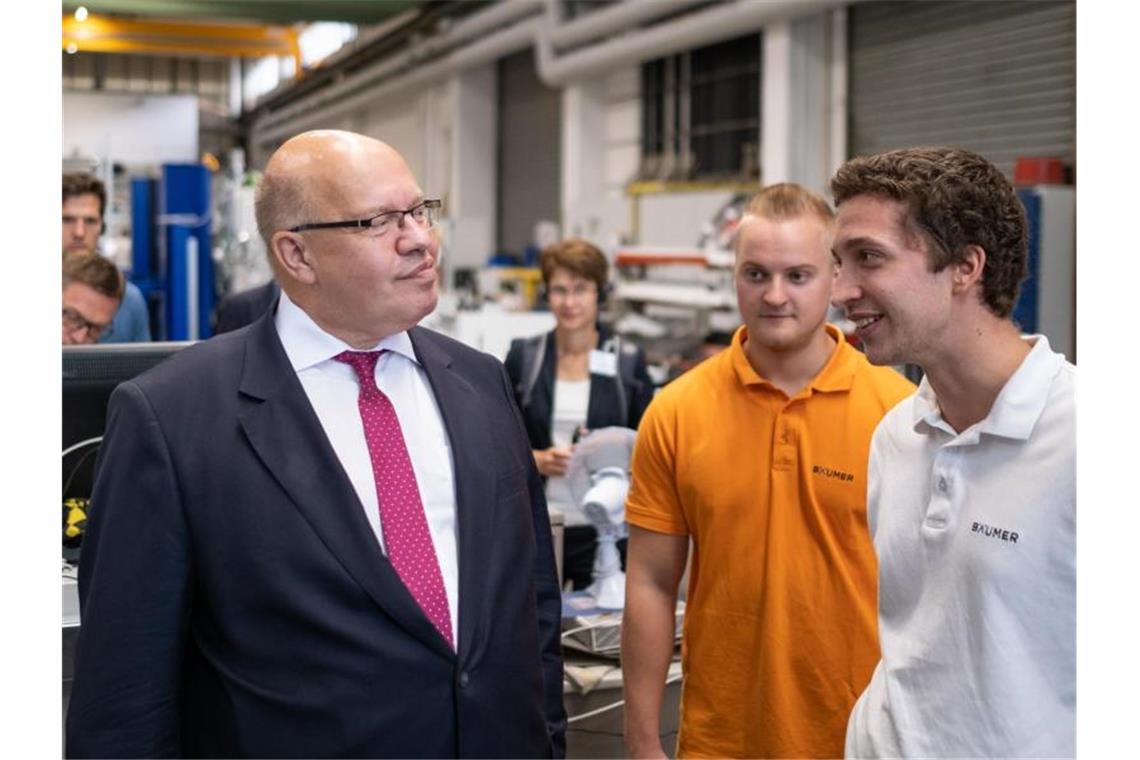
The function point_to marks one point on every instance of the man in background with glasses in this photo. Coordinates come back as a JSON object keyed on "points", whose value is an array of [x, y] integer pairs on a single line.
{"points": [[84, 207], [322, 534], [92, 292]]}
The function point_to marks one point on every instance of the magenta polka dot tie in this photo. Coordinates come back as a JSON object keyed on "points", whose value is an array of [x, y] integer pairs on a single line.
{"points": [[406, 535]]}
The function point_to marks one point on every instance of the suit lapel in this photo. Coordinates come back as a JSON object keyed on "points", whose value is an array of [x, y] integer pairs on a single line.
{"points": [[465, 420], [287, 436]]}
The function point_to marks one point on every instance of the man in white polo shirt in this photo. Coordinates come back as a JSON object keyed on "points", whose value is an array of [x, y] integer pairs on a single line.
{"points": [[971, 482]]}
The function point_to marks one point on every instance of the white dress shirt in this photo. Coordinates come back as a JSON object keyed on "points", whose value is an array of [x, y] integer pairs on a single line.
{"points": [[975, 532], [332, 389]]}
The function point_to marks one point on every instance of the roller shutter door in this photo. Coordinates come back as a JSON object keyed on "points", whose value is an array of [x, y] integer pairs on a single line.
{"points": [[529, 153], [996, 77]]}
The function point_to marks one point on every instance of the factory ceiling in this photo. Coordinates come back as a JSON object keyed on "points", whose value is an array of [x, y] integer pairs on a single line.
{"points": [[229, 28], [273, 12]]}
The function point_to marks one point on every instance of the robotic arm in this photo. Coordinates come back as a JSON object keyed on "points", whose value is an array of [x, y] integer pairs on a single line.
{"points": [[599, 480]]}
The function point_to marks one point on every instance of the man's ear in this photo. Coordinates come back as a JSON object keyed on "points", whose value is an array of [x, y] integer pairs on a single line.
{"points": [[292, 256], [968, 271]]}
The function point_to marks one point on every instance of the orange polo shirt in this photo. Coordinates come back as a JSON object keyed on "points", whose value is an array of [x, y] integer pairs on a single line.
{"points": [[780, 632]]}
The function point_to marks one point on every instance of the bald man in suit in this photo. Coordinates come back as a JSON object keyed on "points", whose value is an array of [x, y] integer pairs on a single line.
{"points": [[322, 534]]}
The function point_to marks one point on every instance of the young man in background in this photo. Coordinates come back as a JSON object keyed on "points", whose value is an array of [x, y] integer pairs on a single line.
{"points": [[84, 207], [758, 457]]}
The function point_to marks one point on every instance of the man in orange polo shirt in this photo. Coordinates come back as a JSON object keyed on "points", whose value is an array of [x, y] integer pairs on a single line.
{"points": [[759, 456]]}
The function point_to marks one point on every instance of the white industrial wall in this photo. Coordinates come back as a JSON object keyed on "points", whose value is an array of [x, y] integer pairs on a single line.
{"points": [[401, 124], [215, 83], [134, 130], [466, 172], [622, 145], [601, 150], [447, 133]]}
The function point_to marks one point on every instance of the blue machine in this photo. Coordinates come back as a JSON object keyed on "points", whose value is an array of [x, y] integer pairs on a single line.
{"points": [[1047, 303], [185, 221], [171, 250], [145, 269], [1025, 312]]}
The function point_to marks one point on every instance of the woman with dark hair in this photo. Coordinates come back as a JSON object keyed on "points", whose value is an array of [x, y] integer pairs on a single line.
{"points": [[577, 377]]}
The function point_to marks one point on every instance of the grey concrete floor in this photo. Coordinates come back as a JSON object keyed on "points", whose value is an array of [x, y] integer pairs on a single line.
{"points": [[601, 736]]}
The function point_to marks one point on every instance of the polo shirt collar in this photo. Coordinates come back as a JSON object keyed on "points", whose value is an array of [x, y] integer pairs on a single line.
{"points": [[838, 374], [1017, 407], [307, 345]]}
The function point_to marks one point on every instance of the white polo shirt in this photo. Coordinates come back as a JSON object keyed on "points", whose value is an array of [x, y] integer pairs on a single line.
{"points": [[976, 538]]}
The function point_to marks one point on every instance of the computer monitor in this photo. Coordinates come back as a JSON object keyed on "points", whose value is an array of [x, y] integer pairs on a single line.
{"points": [[90, 373]]}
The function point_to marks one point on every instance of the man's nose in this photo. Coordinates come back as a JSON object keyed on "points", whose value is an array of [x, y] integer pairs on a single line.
{"points": [[844, 290], [776, 292], [415, 237]]}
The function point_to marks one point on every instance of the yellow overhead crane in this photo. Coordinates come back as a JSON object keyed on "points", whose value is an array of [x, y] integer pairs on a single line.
{"points": [[102, 34]]}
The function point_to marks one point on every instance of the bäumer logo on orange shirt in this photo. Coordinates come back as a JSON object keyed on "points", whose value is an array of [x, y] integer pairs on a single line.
{"points": [[827, 472]]}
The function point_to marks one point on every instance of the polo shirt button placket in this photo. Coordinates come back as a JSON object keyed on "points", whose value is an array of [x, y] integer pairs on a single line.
{"points": [[939, 507]]}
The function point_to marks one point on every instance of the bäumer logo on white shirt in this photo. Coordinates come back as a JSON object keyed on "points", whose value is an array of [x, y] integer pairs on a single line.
{"points": [[999, 533]]}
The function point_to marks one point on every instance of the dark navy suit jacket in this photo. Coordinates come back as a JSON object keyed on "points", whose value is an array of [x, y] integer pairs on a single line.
{"points": [[244, 308], [235, 601]]}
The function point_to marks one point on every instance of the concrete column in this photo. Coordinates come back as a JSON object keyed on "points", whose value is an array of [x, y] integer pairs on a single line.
{"points": [[803, 119], [583, 160], [471, 196], [775, 103]]}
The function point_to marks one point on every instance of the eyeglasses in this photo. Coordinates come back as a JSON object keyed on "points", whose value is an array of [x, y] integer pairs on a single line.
{"points": [[579, 290], [73, 321], [424, 214]]}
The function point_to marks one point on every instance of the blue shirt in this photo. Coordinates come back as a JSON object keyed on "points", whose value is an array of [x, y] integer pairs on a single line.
{"points": [[131, 323]]}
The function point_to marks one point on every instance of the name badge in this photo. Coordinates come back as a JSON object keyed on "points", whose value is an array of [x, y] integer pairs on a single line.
{"points": [[603, 363]]}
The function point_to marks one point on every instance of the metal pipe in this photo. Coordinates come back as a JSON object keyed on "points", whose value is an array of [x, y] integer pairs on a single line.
{"points": [[610, 20], [495, 17], [463, 31], [722, 21], [510, 40], [837, 91], [694, 30]]}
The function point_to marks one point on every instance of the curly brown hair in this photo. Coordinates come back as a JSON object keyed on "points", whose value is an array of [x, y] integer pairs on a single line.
{"points": [[954, 198], [578, 256]]}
